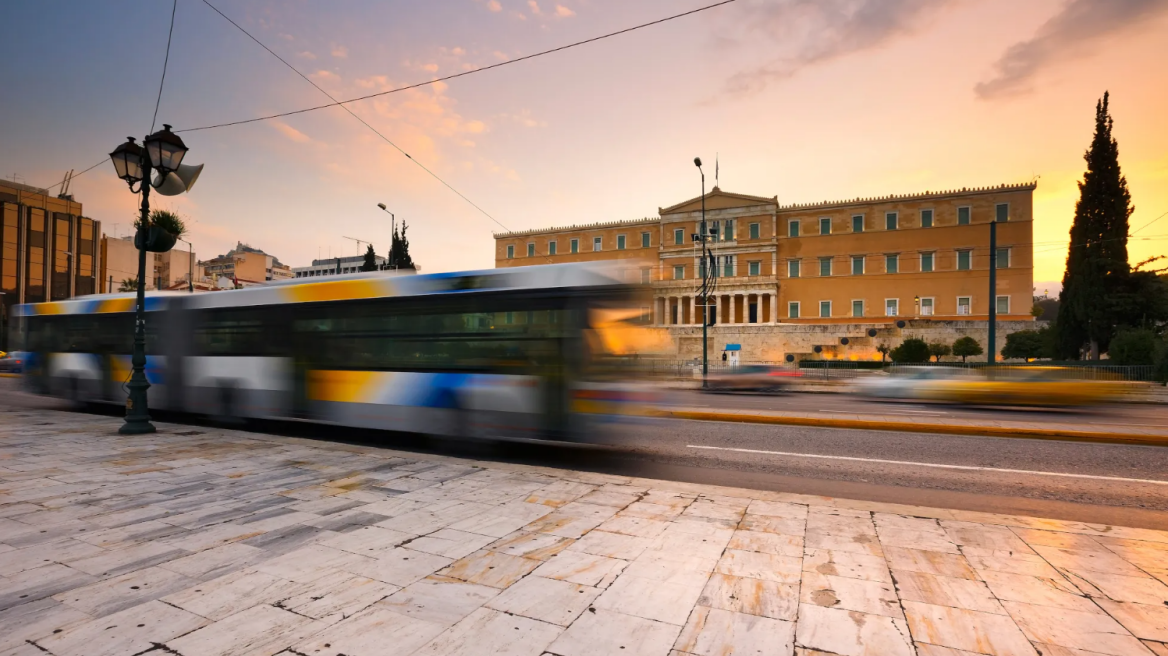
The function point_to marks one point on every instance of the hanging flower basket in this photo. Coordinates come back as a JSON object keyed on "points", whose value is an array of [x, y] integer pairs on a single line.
{"points": [[158, 240]]}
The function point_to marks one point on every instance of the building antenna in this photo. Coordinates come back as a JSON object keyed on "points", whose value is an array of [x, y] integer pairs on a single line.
{"points": [[715, 169]]}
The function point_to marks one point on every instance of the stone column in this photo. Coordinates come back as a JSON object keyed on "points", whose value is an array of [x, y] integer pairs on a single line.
{"points": [[774, 307], [693, 309], [730, 316]]}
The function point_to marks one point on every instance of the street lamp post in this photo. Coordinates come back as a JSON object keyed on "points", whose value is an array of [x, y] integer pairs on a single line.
{"points": [[993, 318], [705, 278], [164, 152], [389, 261]]}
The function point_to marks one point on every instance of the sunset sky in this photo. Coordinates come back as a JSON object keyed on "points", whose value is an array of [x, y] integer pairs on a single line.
{"points": [[807, 99]]}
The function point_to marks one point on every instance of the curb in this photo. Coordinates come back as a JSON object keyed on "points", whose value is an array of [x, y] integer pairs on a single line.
{"points": [[910, 427]]}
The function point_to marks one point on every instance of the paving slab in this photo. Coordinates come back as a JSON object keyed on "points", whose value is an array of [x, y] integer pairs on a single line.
{"points": [[229, 542]]}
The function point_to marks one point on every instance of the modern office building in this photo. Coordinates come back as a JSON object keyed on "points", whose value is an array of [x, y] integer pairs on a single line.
{"points": [[856, 264], [48, 249], [336, 266]]}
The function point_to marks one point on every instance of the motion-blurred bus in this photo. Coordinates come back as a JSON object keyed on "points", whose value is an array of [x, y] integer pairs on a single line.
{"points": [[528, 351]]}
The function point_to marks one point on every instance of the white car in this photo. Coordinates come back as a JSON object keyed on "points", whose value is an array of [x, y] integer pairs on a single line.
{"points": [[907, 383]]}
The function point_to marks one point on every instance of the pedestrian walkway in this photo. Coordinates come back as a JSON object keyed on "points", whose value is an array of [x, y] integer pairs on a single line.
{"points": [[205, 542], [1068, 430]]}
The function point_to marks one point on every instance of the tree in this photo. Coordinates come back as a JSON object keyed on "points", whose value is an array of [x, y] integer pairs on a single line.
{"points": [[1097, 265], [1025, 345], [399, 252], [128, 285], [884, 350], [1133, 346], [966, 346], [370, 263], [939, 350], [1045, 308], [912, 351]]}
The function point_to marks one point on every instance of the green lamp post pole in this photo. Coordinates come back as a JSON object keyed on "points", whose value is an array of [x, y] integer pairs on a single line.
{"points": [[704, 274], [163, 153]]}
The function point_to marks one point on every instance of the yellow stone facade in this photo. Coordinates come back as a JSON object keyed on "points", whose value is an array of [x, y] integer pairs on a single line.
{"points": [[917, 257]]}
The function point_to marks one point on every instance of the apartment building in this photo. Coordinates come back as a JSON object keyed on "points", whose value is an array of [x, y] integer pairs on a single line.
{"points": [[244, 263]]}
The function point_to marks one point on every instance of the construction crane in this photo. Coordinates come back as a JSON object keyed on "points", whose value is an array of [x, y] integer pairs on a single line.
{"points": [[359, 242]]}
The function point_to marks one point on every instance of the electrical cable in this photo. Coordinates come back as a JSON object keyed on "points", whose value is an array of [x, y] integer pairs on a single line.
{"points": [[1152, 221], [351, 113], [165, 61], [458, 75]]}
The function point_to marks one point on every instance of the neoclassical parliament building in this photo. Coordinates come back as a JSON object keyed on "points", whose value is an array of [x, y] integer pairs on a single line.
{"points": [[794, 277]]}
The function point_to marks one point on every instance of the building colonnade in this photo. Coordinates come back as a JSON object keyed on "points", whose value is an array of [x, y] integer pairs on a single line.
{"points": [[736, 308]]}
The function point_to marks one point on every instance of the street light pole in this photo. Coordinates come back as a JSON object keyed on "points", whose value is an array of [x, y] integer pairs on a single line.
{"points": [[393, 229], [704, 288], [190, 265], [993, 327]]}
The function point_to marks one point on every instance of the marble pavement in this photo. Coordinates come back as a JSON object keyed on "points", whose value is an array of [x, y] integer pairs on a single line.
{"points": [[205, 542]]}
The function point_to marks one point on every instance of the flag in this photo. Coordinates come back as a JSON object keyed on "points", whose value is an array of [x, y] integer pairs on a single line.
{"points": [[715, 169]]}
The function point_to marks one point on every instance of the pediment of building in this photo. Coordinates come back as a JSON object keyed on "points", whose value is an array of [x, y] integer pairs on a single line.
{"points": [[716, 199]]}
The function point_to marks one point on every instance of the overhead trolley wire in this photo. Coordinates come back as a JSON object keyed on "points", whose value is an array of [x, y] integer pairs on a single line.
{"points": [[481, 69], [165, 61]]}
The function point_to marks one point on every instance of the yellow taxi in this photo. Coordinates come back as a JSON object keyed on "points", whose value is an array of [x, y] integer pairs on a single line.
{"points": [[1037, 386]]}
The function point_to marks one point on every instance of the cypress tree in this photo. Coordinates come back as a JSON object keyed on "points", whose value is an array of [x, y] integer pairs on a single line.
{"points": [[400, 251], [1097, 266], [370, 263]]}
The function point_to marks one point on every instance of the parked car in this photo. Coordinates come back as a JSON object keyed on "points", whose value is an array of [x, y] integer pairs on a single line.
{"points": [[751, 378], [12, 363]]}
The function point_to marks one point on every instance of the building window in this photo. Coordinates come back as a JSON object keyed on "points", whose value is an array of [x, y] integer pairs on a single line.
{"points": [[511, 252], [574, 246], [927, 262], [926, 307], [825, 309], [926, 218], [531, 250], [754, 267], [963, 304], [728, 230], [755, 230], [679, 272], [857, 308], [824, 225], [728, 266], [620, 242], [964, 258], [891, 307], [679, 236], [551, 248], [963, 215], [857, 265], [645, 240], [793, 269], [890, 220], [596, 241], [825, 266], [1002, 212], [793, 228], [793, 310], [1003, 305], [857, 223], [509, 319], [1003, 258], [891, 264], [646, 275]]}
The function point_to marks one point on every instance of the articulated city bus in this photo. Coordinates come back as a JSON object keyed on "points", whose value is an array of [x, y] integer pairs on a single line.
{"points": [[516, 352]]}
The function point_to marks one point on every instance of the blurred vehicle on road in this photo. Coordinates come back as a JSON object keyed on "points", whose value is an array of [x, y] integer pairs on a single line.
{"points": [[12, 363], [999, 385], [751, 378]]}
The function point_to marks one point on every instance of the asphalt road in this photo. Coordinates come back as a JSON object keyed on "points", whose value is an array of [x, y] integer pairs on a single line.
{"points": [[1126, 414], [1114, 484]]}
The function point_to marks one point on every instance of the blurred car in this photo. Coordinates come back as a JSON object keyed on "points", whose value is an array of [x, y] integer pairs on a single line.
{"points": [[12, 363], [1024, 386], [909, 383], [751, 378]]}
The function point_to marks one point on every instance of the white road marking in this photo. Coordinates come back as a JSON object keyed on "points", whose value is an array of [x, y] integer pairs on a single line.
{"points": [[932, 464]]}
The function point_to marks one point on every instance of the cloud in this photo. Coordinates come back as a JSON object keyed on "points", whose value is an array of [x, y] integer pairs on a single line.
{"points": [[564, 12], [325, 75], [501, 55], [306, 54], [290, 132], [534, 7], [430, 68], [457, 52], [494, 5], [1073, 32], [810, 32], [525, 119], [340, 52]]}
